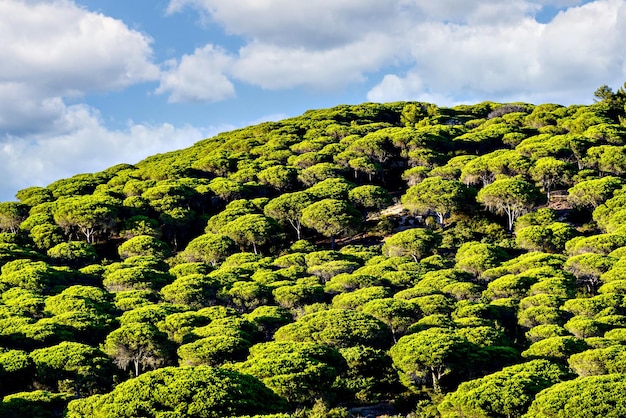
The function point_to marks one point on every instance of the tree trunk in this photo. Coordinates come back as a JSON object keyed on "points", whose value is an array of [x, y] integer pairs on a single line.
{"points": [[441, 216], [435, 377], [136, 363]]}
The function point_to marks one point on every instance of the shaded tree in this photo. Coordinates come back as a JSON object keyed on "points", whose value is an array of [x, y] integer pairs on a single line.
{"points": [[332, 218], [90, 214], [252, 229], [416, 243], [287, 209], [185, 392], [429, 355], [512, 197], [549, 173], [598, 396], [338, 328], [507, 393], [435, 195], [297, 371], [139, 345], [11, 216]]}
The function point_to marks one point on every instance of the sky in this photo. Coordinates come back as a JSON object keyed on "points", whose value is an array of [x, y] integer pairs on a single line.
{"points": [[87, 84]]}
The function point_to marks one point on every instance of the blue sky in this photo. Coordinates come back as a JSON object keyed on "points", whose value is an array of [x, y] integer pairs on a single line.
{"points": [[86, 84]]}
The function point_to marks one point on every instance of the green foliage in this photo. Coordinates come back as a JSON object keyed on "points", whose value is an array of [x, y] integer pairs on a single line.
{"points": [[338, 328], [17, 371], [551, 238], [115, 269], [32, 275], [555, 348], [73, 368], [298, 295], [598, 396], [91, 215], [193, 290], [185, 392], [416, 243], [208, 248], [590, 194], [369, 376], [35, 404], [332, 218], [511, 197], [507, 393], [287, 209], [428, 356], [476, 257], [599, 361], [297, 371], [75, 253], [139, 345], [46, 235], [435, 195], [143, 245], [369, 198], [251, 230], [213, 351], [11, 216], [396, 313]]}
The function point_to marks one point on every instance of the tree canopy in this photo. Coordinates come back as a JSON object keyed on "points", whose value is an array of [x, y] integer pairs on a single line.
{"points": [[417, 259]]}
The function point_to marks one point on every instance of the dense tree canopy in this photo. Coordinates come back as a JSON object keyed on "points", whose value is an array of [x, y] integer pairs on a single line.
{"points": [[342, 258]]}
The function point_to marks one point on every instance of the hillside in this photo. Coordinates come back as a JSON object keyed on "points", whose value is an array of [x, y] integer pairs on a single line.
{"points": [[419, 260]]}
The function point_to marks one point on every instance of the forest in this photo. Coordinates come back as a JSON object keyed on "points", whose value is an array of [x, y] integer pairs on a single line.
{"points": [[399, 259]]}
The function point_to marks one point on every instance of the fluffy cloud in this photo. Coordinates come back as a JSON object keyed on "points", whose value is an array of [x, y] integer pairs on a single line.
{"points": [[314, 44], [87, 146], [446, 49], [319, 24], [273, 67], [52, 50], [198, 77], [79, 50], [561, 61]]}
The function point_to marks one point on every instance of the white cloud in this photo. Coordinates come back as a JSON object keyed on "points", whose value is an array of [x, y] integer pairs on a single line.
{"points": [[198, 77], [79, 50], [394, 88], [87, 146], [475, 12], [316, 44], [55, 49], [585, 44], [311, 24], [273, 67], [471, 48], [564, 60]]}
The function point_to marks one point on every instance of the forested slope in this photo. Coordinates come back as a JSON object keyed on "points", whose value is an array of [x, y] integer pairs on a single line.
{"points": [[431, 261]]}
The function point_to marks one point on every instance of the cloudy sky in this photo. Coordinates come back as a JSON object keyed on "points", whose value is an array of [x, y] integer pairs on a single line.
{"points": [[86, 84]]}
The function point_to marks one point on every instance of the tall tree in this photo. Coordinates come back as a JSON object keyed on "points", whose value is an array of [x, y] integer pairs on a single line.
{"points": [[435, 195], [369, 198], [332, 218], [415, 242], [549, 172], [11, 215], [139, 345], [90, 214], [252, 229], [429, 355], [287, 209], [512, 197]]}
